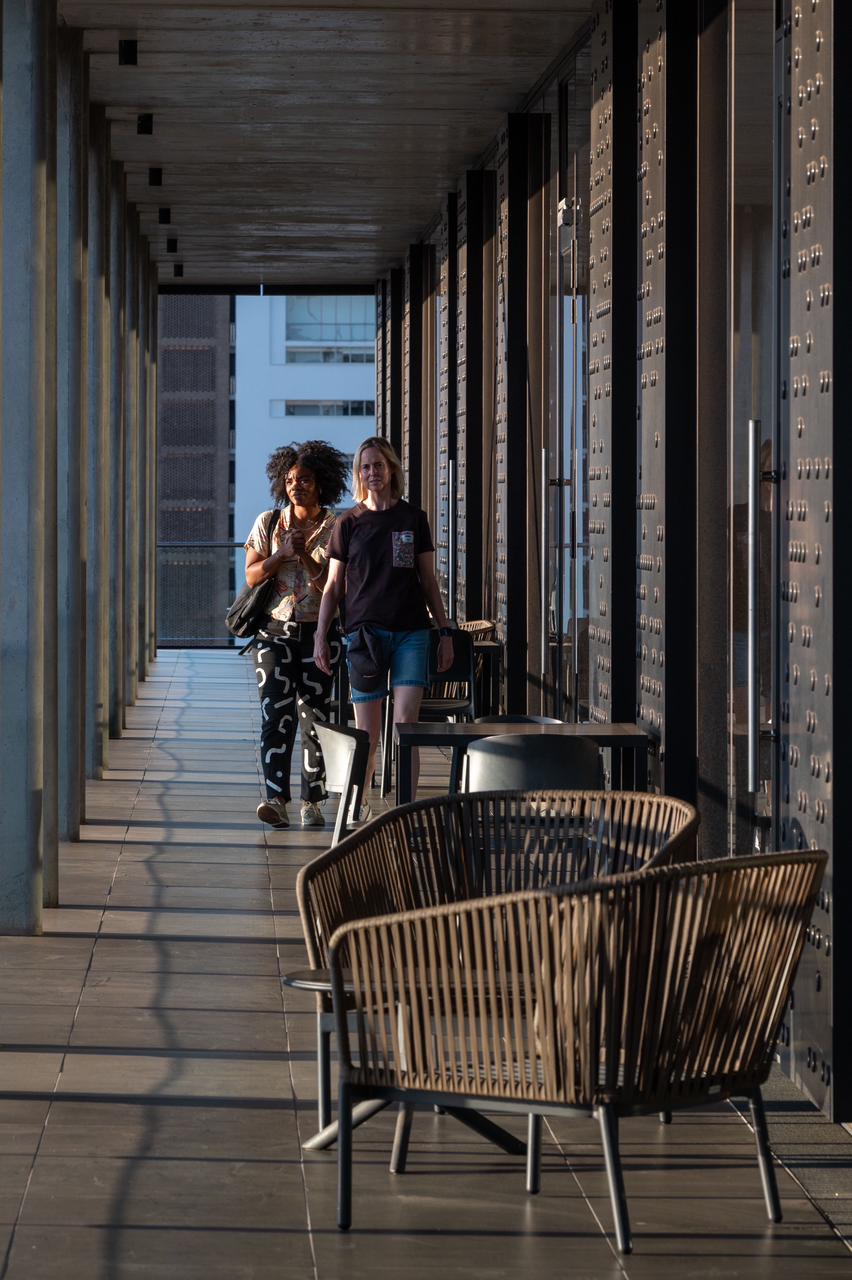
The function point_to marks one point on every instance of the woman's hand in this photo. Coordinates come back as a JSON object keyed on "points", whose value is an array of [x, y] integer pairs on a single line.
{"points": [[322, 654], [292, 545], [445, 653]]}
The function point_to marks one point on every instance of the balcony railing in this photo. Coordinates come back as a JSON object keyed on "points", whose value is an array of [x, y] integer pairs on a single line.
{"points": [[196, 582]]}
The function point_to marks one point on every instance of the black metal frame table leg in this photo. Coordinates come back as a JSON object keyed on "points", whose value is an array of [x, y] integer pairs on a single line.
{"points": [[608, 1122], [323, 1072], [403, 773], [764, 1157]]}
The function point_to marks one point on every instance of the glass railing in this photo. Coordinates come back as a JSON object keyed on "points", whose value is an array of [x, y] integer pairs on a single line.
{"points": [[196, 582]]}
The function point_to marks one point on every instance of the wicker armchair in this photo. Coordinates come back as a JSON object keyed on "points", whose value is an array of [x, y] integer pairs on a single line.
{"points": [[453, 848], [634, 994]]}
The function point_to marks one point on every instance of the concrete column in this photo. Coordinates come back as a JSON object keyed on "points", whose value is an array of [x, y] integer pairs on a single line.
{"points": [[50, 635], [142, 469], [153, 509], [131, 469], [22, 513], [117, 228], [97, 452], [72, 346]]}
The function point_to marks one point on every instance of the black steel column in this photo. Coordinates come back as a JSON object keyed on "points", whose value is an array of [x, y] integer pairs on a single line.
{"points": [[612, 355], [539, 235], [412, 373], [666, 313], [381, 355], [447, 485], [393, 358], [511, 407], [712, 603], [470, 426], [815, 461]]}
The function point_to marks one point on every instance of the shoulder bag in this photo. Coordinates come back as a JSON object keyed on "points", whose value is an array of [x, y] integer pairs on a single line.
{"points": [[248, 613]]}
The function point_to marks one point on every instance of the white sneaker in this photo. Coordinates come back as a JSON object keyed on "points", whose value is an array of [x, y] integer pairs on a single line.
{"points": [[356, 818], [312, 814], [274, 812]]}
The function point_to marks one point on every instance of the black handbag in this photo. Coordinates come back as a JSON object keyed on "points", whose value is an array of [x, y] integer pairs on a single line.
{"points": [[249, 611]]}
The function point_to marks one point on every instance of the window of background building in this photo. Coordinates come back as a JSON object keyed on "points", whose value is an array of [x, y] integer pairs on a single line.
{"points": [[325, 408], [330, 319], [329, 355]]}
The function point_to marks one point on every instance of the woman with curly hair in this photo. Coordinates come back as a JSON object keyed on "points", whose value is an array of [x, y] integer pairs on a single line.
{"points": [[305, 480]]}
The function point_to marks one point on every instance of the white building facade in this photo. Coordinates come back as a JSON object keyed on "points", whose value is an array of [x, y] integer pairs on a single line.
{"points": [[305, 370]]}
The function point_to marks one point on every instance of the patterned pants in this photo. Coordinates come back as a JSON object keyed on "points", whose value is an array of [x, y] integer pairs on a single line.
{"points": [[292, 691]]}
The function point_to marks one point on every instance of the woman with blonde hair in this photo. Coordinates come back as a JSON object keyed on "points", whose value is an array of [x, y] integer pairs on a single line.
{"points": [[381, 567]]}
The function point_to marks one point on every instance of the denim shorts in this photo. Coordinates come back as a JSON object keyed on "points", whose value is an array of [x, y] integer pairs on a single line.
{"points": [[406, 655]]}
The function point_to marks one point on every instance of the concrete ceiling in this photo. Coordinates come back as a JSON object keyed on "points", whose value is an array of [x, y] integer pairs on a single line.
{"points": [[308, 144]]}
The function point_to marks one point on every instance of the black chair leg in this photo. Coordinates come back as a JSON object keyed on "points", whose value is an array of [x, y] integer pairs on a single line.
{"points": [[608, 1122], [665, 1117], [533, 1155], [344, 1158], [764, 1157], [455, 771], [402, 1133], [323, 1073]]}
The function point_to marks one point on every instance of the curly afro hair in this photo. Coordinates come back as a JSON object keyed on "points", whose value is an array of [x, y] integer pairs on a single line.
{"points": [[328, 464]]}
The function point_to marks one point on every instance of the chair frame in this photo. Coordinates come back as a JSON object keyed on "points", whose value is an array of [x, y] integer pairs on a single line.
{"points": [[720, 943], [345, 752], [367, 874]]}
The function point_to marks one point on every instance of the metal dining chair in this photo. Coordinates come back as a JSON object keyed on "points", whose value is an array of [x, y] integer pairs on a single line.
{"points": [[452, 695], [507, 762]]}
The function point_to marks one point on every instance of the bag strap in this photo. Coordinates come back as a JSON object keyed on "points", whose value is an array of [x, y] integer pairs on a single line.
{"points": [[274, 517]]}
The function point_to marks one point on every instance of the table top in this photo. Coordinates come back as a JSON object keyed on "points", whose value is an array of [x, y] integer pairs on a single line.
{"points": [[422, 733]]}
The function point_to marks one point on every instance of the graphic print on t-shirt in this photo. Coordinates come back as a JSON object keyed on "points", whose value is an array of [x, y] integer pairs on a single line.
{"points": [[403, 549]]}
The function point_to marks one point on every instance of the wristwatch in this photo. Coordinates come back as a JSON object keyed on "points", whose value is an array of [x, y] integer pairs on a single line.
{"points": [[445, 631]]}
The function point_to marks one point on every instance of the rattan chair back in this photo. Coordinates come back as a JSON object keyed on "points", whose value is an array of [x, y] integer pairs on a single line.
{"points": [[649, 992], [453, 848]]}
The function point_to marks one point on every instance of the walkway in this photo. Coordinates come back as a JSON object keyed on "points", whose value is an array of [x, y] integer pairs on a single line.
{"points": [[153, 1089]]}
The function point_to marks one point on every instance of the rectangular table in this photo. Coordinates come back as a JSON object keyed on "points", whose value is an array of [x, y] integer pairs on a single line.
{"points": [[621, 738]]}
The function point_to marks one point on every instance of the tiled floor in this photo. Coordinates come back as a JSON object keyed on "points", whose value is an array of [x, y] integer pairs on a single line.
{"points": [[154, 1088]]}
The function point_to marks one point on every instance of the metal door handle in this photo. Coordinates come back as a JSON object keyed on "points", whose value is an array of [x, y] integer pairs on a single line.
{"points": [[753, 633]]}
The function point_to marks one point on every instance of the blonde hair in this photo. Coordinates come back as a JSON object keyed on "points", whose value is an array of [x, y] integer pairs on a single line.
{"points": [[391, 458]]}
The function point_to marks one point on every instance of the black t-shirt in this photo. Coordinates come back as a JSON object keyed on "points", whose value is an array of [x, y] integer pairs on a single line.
{"points": [[380, 550]]}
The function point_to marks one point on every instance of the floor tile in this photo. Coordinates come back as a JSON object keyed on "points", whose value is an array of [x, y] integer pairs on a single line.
{"points": [[150, 1253], [35, 1024], [174, 1075], [131, 955], [158, 1128]]}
